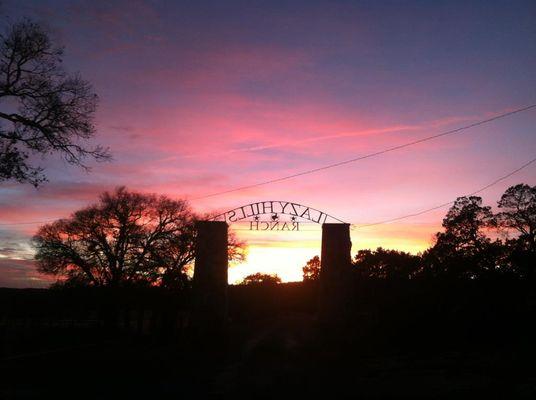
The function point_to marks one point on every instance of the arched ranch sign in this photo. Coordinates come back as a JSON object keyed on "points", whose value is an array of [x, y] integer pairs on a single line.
{"points": [[283, 215]]}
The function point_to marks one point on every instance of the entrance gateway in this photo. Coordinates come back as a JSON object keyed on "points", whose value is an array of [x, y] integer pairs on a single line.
{"points": [[209, 305], [276, 215]]}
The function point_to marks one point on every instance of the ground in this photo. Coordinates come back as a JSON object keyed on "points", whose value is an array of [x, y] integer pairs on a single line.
{"points": [[273, 358]]}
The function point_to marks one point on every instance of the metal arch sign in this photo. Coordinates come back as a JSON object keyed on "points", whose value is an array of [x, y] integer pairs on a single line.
{"points": [[284, 215]]}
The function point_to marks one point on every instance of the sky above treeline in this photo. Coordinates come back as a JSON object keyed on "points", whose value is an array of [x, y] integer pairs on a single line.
{"points": [[198, 97]]}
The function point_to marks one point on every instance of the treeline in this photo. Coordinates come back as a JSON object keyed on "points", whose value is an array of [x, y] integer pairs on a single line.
{"points": [[475, 244], [134, 239]]}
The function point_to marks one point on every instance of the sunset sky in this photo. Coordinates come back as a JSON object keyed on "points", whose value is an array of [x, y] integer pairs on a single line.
{"points": [[198, 97]]}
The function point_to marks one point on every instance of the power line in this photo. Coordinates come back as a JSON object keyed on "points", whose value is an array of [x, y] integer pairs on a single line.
{"points": [[370, 155], [502, 178], [493, 183]]}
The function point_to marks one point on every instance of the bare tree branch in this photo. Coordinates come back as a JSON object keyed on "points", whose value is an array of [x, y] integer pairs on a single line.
{"points": [[54, 111], [126, 238]]}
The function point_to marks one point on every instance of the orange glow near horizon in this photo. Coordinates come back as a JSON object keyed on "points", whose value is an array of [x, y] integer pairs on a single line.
{"points": [[285, 253], [285, 262]]}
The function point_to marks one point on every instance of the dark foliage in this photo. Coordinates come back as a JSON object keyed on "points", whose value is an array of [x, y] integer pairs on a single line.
{"points": [[463, 250], [128, 238], [311, 270], [261, 279], [518, 212], [386, 264], [518, 216]]}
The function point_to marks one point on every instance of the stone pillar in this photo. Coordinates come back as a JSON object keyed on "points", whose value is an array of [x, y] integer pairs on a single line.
{"points": [[209, 302], [335, 272]]}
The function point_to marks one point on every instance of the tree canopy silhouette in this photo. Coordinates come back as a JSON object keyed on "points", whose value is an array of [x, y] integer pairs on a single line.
{"points": [[44, 110], [386, 264], [463, 249], [311, 270], [518, 212], [126, 238], [261, 279]]}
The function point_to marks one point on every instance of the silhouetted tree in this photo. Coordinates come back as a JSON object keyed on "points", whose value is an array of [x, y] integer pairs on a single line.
{"points": [[44, 109], [386, 264], [518, 213], [126, 238], [311, 270], [261, 279], [237, 250], [463, 250], [118, 240]]}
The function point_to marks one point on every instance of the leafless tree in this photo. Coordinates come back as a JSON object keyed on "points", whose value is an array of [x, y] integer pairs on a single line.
{"points": [[126, 238], [43, 109]]}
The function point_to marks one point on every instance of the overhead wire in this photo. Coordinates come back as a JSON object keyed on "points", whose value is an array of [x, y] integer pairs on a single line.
{"points": [[415, 214], [363, 157], [370, 155]]}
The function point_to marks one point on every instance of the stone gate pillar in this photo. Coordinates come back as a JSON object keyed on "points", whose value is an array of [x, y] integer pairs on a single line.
{"points": [[209, 302], [335, 272]]}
